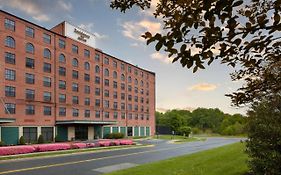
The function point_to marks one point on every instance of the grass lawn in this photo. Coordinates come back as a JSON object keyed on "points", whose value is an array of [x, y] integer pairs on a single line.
{"points": [[226, 160], [179, 139]]}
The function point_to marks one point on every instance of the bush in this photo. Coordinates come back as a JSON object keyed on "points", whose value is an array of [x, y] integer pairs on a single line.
{"points": [[40, 139], [184, 131], [115, 135], [22, 141], [264, 137], [78, 145], [2, 143], [196, 131], [52, 147], [11, 150]]}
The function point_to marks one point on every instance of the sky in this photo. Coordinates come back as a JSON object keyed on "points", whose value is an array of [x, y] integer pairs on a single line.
{"points": [[119, 34]]}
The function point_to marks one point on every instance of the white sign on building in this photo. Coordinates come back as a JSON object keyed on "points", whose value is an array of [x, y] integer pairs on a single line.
{"points": [[79, 34]]}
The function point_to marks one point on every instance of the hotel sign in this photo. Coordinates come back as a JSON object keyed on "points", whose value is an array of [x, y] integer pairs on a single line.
{"points": [[79, 34]]}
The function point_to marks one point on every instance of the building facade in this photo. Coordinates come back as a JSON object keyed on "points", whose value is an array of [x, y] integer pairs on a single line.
{"points": [[55, 83]]}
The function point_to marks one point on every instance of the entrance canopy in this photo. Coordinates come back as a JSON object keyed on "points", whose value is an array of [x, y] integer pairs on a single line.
{"points": [[7, 120], [86, 122]]}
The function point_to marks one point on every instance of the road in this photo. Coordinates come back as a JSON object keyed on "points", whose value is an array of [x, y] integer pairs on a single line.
{"points": [[102, 162]]}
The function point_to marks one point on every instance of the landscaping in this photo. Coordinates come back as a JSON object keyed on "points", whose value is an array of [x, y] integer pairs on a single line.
{"points": [[24, 149], [227, 160]]}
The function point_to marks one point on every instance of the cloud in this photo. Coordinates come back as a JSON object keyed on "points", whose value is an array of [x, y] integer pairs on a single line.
{"points": [[134, 30], [41, 11], [203, 87], [161, 57], [90, 28]]}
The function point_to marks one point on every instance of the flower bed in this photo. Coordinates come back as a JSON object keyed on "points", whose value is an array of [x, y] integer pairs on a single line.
{"points": [[12, 150]]}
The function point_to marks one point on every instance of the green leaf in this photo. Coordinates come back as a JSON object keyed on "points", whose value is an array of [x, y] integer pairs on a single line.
{"points": [[159, 45], [237, 3]]}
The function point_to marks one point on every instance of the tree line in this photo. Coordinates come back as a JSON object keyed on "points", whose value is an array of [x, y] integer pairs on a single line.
{"points": [[203, 120]]}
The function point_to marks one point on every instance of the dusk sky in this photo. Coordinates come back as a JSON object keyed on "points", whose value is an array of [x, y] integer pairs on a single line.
{"points": [[118, 34]]}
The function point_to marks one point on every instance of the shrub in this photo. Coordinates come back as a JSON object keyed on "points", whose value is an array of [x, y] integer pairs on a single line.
{"points": [[22, 141], [41, 139], [185, 131], [11, 150], [52, 147], [115, 135], [2, 143], [126, 142], [78, 145], [104, 143]]}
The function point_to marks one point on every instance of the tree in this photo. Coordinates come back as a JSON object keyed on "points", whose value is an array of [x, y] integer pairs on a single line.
{"points": [[184, 131]]}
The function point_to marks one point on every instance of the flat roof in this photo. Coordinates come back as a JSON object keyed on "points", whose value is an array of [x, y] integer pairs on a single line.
{"points": [[97, 49], [85, 122]]}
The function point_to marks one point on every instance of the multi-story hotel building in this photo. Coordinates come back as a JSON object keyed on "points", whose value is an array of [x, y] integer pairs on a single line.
{"points": [[55, 83]]}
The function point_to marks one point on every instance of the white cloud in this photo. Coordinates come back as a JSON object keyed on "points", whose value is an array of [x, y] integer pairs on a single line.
{"points": [[90, 28], [161, 57], [134, 30], [41, 11], [203, 87]]}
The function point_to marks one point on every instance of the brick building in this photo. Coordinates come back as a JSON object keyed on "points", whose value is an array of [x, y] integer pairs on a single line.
{"points": [[56, 83]]}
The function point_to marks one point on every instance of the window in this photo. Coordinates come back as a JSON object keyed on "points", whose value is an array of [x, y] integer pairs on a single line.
{"points": [[141, 108], [47, 110], [141, 100], [115, 115], [87, 113], [10, 108], [30, 134], [114, 74], [129, 69], [97, 103], [106, 93], [10, 91], [29, 94], [87, 77], [47, 133], [141, 83], [147, 93], [29, 110], [129, 79], [61, 44], [136, 116], [47, 67], [87, 101], [141, 74], [62, 98], [97, 80], [29, 32], [106, 72], [136, 90], [106, 104], [97, 91], [130, 116], [115, 95], [97, 69], [29, 78], [29, 63], [123, 116], [106, 61], [147, 101], [75, 112], [136, 98], [47, 82], [147, 117], [106, 82], [62, 71], [115, 64], [87, 66], [97, 57], [136, 108], [74, 49], [74, 62], [47, 53], [123, 86], [29, 48], [47, 96], [106, 114], [123, 106], [141, 91], [122, 96], [62, 84], [62, 58], [147, 85], [75, 100], [115, 105], [87, 89], [75, 74], [130, 107], [122, 77], [10, 24], [136, 72], [75, 87], [10, 42], [86, 53], [47, 38], [97, 114], [129, 88], [122, 66], [130, 97], [10, 58], [115, 84], [62, 111], [136, 82]]}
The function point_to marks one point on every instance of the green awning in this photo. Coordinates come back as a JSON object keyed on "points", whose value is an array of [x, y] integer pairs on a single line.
{"points": [[7, 120], [86, 122]]}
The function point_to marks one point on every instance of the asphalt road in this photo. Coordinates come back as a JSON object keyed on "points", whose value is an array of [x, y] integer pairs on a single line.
{"points": [[101, 162]]}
